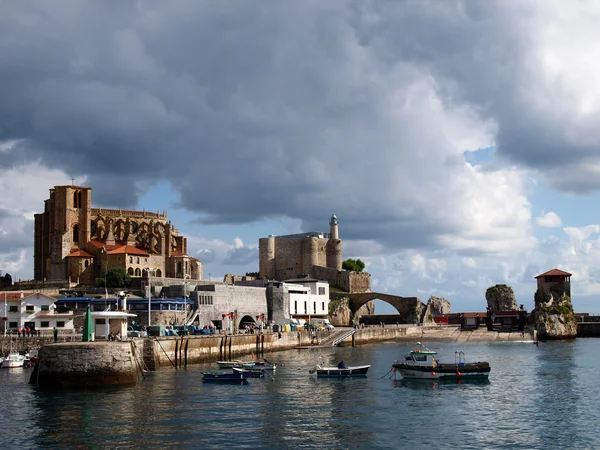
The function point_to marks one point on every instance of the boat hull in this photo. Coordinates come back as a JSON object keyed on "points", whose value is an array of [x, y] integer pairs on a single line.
{"points": [[479, 370], [335, 372], [235, 377]]}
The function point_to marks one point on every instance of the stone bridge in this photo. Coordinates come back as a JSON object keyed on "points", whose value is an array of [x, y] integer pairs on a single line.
{"points": [[410, 308]]}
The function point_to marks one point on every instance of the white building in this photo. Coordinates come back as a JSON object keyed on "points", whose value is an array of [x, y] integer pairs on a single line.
{"points": [[308, 297], [34, 311]]}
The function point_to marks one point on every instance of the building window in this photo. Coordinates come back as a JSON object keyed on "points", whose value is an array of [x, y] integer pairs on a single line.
{"points": [[305, 308], [138, 260], [315, 307], [179, 267], [75, 233], [130, 271], [12, 325], [60, 324], [44, 324], [321, 291], [13, 308], [131, 260], [323, 306], [29, 308], [295, 307], [138, 272], [45, 307], [87, 263], [158, 272]]}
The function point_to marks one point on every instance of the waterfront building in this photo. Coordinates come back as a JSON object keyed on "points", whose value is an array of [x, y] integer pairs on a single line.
{"points": [[35, 311], [77, 243]]}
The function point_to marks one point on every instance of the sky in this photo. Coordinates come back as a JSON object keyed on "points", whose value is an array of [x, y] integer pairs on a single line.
{"points": [[456, 141]]}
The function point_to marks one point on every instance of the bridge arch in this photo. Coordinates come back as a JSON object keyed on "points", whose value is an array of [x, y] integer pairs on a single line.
{"points": [[409, 308]]}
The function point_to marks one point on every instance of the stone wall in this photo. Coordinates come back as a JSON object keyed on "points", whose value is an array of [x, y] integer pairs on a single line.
{"points": [[88, 364], [345, 280], [242, 300]]}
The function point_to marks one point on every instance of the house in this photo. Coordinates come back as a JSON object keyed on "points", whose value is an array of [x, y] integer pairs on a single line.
{"points": [[35, 311]]}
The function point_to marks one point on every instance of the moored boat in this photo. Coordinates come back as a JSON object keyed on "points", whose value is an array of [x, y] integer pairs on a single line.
{"points": [[422, 364], [234, 363], [226, 377], [14, 359], [254, 372], [340, 371]]}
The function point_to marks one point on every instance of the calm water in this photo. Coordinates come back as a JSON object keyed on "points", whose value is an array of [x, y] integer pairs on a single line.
{"points": [[537, 397]]}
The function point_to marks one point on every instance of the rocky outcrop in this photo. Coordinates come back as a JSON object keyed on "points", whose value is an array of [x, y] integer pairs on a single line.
{"points": [[340, 314], [500, 298], [554, 315], [436, 306]]}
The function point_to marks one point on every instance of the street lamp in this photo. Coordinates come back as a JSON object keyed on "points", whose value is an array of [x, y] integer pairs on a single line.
{"points": [[149, 297]]}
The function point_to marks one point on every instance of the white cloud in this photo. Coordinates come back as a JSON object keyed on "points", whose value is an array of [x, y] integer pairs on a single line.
{"points": [[549, 220]]}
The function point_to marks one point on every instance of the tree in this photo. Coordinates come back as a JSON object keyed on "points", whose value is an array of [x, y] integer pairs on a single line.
{"points": [[116, 278], [354, 265]]}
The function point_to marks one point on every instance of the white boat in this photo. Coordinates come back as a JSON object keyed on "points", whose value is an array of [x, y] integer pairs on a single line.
{"points": [[341, 370], [14, 359], [421, 364], [234, 363]]}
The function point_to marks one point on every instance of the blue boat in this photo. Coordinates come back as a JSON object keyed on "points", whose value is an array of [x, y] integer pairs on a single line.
{"points": [[226, 377]]}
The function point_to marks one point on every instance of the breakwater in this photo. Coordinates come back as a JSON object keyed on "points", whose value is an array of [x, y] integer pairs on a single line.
{"points": [[88, 364]]}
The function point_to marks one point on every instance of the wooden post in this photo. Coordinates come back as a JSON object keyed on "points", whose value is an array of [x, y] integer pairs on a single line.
{"points": [[176, 348], [186, 353]]}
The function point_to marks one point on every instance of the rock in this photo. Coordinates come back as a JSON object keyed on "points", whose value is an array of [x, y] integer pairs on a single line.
{"points": [[340, 313], [500, 298], [436, 306], [554, 315]]}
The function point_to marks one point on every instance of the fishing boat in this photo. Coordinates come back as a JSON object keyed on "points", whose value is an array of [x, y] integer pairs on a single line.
{"points": [[14, 359], [340, 371], [234, 363], [226, 377], [265, 365], [254, 372], [422, 364]]}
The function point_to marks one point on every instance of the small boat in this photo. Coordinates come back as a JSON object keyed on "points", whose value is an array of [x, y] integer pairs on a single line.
{"points": [[14, 359], [254, 372], [234, 363], [421, 364], [265, 365], [226, 377], [341, 370]]}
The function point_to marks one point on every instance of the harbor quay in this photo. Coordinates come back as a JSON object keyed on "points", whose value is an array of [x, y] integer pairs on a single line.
{"points": [[85, 364]]}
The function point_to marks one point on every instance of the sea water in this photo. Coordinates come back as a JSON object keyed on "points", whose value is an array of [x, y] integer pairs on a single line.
{"points": [[537, 397]]}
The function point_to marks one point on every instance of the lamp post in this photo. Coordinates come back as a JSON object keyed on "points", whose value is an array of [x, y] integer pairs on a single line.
{"points": [[149, 297]]}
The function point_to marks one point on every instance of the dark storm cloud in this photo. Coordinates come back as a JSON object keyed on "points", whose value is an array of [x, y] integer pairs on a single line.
{"points": [[261, 109]]}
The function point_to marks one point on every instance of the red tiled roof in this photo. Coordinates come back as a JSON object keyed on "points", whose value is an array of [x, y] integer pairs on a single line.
{"points": [[127, 249], [79, 253], [178, 253], [475, 314], [37, 294], [10, 296], [554, 273], [100, 244]]}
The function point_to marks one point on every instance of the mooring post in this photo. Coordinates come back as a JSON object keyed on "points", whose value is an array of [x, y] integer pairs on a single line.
{"points": [[262, 345], [176, 347], [187, 341], [230, 339]]}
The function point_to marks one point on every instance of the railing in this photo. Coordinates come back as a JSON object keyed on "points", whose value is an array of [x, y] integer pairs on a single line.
{"points": [[343, 337]]}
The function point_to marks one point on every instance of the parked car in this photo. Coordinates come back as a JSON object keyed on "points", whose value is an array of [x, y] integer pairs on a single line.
{"points": [[131, 332]]}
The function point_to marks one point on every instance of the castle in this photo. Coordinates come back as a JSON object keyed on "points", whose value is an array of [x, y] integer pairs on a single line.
{"points": [[74, 241], [313, 253]]}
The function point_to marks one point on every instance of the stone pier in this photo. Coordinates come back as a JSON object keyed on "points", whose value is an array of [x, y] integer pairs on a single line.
{"points": [[88, 364]]}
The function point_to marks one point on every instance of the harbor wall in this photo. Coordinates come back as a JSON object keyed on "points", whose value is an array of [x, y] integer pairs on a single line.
{"points": [[88, 364]]}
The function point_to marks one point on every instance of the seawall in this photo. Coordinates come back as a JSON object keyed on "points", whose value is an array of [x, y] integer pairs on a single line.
{"points": [[87, 364], [183, 350]]}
